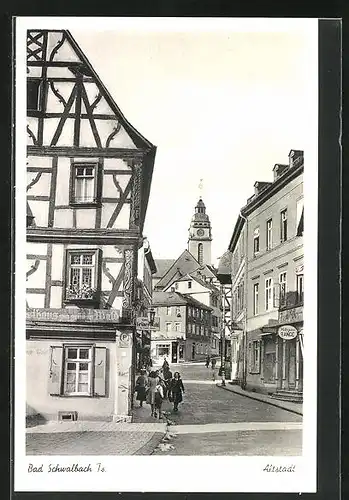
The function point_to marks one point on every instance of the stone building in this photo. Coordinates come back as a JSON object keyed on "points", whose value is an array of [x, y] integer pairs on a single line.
{"points": [[185, 328], [88, 182], [268, 283]]}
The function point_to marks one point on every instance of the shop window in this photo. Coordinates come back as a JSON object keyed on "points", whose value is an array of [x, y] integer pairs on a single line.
{"points": [[254, 356], [256, 242], [33, 95], [283, 224], [255, 298], [77, 370], [162, 350], [82, 275], [268, 293], [269, 234], [84, 183]]}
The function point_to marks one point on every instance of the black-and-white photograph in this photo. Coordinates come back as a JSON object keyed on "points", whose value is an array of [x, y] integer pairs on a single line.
{"points": [[165, 311]]}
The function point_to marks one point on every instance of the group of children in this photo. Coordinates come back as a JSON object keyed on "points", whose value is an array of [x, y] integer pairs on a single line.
{"points": [[157, 386]]}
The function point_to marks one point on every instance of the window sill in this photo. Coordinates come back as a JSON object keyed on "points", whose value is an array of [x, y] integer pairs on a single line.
{"points": [[85, 204]]}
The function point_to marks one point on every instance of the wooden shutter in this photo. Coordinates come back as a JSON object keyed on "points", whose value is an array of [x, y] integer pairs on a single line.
{"points": [[249, 356], [100, 370], [56, 371]]}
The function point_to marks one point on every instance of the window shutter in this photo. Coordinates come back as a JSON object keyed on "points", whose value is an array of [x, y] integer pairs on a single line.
{"points": [[276, 296], [56, 370], [249, 357], [100, 366]]}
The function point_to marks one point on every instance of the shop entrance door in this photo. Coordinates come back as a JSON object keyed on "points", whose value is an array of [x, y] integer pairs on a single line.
{"points": [[193, 351], [174, 352], [291, 364]]}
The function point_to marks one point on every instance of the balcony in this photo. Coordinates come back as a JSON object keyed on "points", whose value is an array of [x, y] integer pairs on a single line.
{"points": [[291, 307]]}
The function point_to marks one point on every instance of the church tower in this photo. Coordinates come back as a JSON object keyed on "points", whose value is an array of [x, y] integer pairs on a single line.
{"points": [[200, 237]]}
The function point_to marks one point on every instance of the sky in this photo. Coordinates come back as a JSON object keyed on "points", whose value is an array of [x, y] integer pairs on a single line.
{"points": [[223, 105]]}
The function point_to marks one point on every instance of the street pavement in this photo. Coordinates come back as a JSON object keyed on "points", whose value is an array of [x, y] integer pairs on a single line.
{"points": [[210, 421], [213, 421]]}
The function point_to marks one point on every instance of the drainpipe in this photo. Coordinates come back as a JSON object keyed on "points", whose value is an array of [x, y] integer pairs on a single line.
{"points": [[244, 342]]}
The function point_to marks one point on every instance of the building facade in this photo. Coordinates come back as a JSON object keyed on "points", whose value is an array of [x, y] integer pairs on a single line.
{"points": [[268, 283], [88, 182], [185, 328]]}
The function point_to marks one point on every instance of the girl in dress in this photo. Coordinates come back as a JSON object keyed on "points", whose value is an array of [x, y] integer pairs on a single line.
{"points": [[176, 390]]}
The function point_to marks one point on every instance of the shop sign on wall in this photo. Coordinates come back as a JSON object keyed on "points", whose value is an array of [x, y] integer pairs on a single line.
{"points": [[287, 332], [74, 315]]}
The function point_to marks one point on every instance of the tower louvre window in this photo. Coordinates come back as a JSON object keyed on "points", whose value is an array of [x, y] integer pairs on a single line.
{"points": [[200, 253]]}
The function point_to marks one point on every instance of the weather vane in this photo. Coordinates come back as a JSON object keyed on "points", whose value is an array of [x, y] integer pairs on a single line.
{"points": [[201, 187]]}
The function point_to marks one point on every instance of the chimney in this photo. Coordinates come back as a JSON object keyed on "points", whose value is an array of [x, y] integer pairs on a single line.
{"points": [[296, 157], [279, 169]]}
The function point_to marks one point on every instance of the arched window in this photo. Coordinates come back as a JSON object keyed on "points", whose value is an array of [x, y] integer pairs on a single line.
{"points": [[200, 253]]}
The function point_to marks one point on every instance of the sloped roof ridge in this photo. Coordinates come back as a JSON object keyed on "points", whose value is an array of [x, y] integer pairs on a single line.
{"points": [[130, 128], [178, 258]]}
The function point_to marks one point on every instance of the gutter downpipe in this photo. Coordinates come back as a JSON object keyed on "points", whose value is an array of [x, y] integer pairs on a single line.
{"points": [[244, 342]]}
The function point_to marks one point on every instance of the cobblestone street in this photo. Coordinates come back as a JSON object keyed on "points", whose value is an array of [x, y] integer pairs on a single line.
{"points": [[210, 421]]}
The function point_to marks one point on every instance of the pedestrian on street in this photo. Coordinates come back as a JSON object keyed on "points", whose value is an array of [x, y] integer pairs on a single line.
{"points": [[207, 361], [159, 397], [213, 363], [165, 365], [167, 377], [141, 385], [153, 382], [176, 390]]}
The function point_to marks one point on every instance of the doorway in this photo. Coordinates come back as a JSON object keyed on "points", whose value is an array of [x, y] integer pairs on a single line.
{"points": [[193, 351], [174, 357]]}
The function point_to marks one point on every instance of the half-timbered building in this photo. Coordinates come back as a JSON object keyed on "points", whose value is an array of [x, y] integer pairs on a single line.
{"points": [[88, 181]]}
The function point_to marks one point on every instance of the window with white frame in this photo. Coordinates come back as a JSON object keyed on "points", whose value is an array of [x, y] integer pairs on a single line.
{"points": [[256, 241], [300, 287], [78, 370], [168, 327], [255, 365], [82, 271], [255, 298], [162, 350], [283, 225], [268, 294], [300, 217], [178, 327], [84, 183], [269, 234], [283, 287], [168, 310], [178, 311], [201, 330]]}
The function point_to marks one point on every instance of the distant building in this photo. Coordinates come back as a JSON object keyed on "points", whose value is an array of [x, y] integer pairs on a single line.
{"points": [[203, 290], [268, 284], [185, 328], [88, 182]]}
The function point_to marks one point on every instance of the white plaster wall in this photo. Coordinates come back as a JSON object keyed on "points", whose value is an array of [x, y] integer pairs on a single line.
{"points": [[85, 218], [39, 161], [36, 300], [36, 248], [122, 220], [38, 278], [40, 212], [56, 297], [63, 218], [116, 164], [33, 125], [41, 187], [57, 261], [63, 176]]}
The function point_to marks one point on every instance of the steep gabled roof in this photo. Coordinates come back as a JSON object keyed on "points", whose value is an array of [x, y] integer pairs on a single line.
{"points": [[176, 298], [162, 265], [139, 140], [185, 264]]}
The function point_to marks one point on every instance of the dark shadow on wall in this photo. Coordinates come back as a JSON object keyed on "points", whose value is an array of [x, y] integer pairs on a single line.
{"points": [[33, 418]]}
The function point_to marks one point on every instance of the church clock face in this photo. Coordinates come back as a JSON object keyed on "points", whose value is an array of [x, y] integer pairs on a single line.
{"points": [[200, 232]]}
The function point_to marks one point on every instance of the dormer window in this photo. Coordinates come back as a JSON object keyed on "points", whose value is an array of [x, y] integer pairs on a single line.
{"points": [[189, 284]]}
